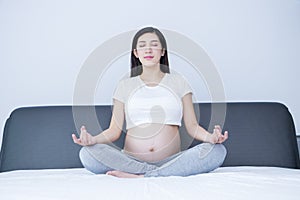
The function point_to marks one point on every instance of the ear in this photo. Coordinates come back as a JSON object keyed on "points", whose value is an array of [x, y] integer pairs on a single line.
{"points": [[135, 53]]}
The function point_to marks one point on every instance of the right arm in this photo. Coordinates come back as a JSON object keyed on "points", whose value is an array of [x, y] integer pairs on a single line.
{"points": [[111, 134]]}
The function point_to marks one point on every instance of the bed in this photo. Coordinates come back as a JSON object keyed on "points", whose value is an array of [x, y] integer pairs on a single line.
{"points": [[38, 159]]}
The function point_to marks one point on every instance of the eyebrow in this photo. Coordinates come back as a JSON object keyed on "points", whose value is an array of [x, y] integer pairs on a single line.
{"points": [[150, 41]]}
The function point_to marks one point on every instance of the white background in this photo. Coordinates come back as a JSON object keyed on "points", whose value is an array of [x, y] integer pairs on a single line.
{"points": [[254, 44]]}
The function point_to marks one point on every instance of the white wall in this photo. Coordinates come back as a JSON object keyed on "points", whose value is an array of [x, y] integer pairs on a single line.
{"points": [[254, 45]]}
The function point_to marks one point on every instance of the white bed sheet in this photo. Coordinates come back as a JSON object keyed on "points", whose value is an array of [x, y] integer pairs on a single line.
{"points": [[224, 183]]}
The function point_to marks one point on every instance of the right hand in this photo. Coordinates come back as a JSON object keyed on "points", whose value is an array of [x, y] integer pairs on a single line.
{"points": [[85, 139]]}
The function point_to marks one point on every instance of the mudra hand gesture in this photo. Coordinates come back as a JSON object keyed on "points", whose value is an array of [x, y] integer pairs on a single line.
{"points": [[85, 139]]}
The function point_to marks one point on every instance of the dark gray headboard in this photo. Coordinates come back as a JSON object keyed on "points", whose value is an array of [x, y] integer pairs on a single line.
{"points": [[260, 134]]}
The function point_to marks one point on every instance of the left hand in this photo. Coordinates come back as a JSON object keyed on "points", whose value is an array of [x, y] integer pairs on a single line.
{"points": [[217, 136]]}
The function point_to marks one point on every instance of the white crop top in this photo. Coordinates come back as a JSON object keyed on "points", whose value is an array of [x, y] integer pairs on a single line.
{"points": [[152, 104]]}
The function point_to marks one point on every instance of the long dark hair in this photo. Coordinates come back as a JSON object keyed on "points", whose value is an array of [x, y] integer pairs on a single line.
{"points": [[136, 65]]}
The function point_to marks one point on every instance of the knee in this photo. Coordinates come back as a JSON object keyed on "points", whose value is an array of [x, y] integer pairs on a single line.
{"points": [[216, 152], [89, 161], [84, 155], [220, 153]]}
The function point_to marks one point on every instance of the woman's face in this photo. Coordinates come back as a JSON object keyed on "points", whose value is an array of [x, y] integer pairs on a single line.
{"points": [[149, 49]]}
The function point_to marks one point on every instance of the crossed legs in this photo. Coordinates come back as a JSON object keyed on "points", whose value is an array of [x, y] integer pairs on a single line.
{"points": [[102, 158]]}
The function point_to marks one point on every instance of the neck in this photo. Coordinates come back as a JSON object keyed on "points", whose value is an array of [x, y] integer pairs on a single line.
{"points": [[152, 74], [151, 71]]}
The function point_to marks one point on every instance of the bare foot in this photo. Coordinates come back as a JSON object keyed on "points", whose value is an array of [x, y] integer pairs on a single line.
{"points": [[121, 174]]}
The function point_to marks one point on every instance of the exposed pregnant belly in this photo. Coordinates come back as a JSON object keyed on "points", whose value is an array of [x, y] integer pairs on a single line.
{"points": [[152, 142]]}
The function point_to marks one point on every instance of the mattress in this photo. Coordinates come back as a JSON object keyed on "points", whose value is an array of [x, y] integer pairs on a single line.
{"points": [[224, 183]]}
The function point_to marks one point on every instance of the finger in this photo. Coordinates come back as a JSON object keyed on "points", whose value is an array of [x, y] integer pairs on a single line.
{"points": [[83, 137], [216, 135], [215, 131], [83, 134], [218, 127], [83, 129], [224, 137], [221, 140], [226, 134], [75, 139], [88, 140]]}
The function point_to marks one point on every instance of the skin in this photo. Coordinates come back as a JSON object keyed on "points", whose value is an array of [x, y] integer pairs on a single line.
{"points": [[150, 142]]}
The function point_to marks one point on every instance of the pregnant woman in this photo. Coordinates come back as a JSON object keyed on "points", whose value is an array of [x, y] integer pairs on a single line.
{"points": [[152, 102]]}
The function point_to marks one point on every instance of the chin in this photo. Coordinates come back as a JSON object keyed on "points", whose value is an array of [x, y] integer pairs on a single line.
{"points": [[150, 64]]}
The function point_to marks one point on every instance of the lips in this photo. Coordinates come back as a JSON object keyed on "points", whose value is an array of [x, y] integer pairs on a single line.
{"points": [[148, 57]]}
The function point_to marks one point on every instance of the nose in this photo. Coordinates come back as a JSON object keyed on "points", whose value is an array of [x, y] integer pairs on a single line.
{"points": [[148, 49]]}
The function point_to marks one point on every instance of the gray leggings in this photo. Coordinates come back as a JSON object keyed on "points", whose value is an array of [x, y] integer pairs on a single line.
{"points": [[202, 158]]}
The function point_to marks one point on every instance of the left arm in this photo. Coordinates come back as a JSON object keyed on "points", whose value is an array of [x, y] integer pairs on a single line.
{"points": [[194, 129]]}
